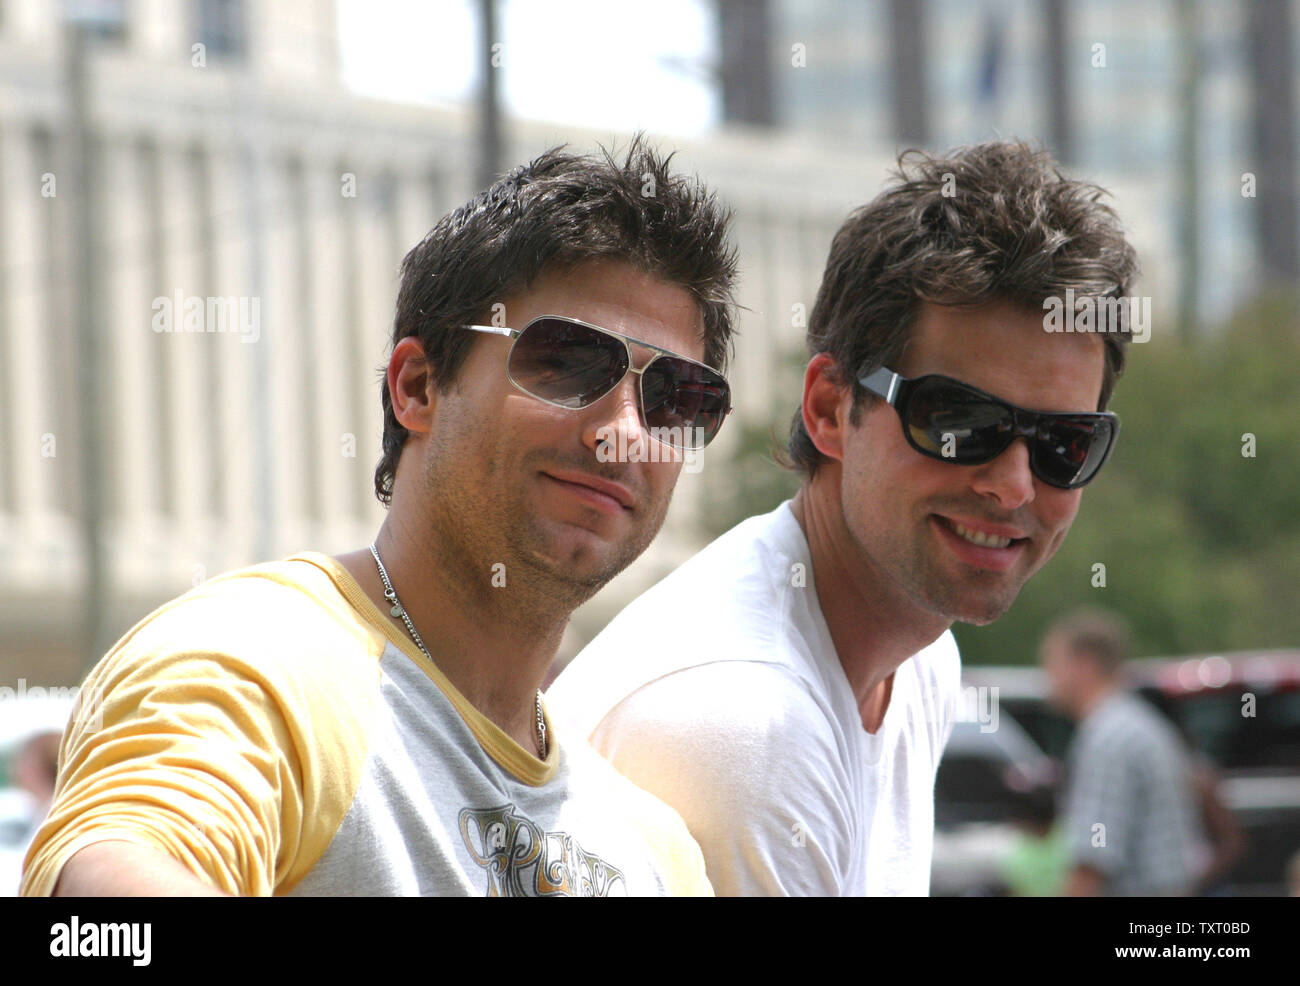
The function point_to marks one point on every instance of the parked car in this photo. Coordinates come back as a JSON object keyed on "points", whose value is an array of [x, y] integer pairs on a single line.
{"points": [[984, 779]]}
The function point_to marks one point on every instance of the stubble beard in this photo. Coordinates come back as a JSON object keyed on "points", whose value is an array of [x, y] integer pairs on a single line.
{"points": [[976, 597], [496, 525], [569, 580], [953, 596]]}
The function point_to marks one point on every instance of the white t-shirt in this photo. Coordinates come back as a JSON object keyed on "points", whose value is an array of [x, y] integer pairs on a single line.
{"points": [[719, 691]]}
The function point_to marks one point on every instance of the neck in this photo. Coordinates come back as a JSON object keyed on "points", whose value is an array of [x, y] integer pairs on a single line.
{"points": [[495, 645], [873, 626], [1092, 696]]}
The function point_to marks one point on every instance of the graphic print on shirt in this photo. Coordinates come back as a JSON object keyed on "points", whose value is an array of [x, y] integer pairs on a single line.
{"points": [[522, 860]]}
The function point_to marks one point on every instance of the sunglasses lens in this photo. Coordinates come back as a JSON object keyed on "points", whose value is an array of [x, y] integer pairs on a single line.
{"points": [[567, 364], [949, 422], [1069, 451], [686, 402]]}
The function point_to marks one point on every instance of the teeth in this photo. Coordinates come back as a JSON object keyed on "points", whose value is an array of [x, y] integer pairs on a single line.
{"points": [[983, 540]]}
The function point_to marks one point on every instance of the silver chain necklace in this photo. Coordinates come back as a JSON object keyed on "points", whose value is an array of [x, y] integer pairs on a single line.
{"points": [[399, 610]]}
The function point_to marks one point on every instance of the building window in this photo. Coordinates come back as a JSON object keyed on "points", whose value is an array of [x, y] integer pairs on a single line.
{"points": [[222, 28], [103, 19]]}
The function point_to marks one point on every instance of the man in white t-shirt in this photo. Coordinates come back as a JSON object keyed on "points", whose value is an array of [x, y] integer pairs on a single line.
{"points": [[791, 688]]}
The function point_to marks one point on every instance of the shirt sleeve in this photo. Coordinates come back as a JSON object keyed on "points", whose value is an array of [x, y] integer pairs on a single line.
{"points": [[190, 758], [755, 777], [1098, 805], [210, 753]]}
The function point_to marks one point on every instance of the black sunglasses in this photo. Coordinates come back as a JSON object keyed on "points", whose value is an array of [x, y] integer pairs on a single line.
{"points": [[573, 364], [954, 422]]}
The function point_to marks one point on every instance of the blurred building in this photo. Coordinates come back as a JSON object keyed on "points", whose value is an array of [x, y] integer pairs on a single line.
{"points": [[246, 219], [1099, 81]]}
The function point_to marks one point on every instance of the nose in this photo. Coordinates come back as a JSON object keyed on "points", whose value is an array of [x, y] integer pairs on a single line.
{"points": [[1008, 477], [615, 418]]}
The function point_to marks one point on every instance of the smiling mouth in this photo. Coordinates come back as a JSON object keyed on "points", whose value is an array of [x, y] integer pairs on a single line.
{"points": [[983, 540], [979, 538]]}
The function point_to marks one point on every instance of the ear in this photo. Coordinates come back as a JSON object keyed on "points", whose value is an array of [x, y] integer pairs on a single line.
{"points": [[826, 406], [410, 385]]}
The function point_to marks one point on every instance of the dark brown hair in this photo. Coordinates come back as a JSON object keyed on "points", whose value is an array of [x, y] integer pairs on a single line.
{"points": [[990, 222], [557, 211]]}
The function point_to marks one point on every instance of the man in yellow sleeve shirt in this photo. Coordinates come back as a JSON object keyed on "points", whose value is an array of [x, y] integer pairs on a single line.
{"points": [[371, 724]]}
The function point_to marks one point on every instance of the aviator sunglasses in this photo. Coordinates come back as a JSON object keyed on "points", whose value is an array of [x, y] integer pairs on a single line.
{"points": [[940, 414], [572, 364]]}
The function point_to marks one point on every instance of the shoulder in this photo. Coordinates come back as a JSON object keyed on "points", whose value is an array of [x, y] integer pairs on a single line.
{"points": [[753, 705], [675, 853], [1152, 739], [228, 725], [1115, 740], [740, 735], [733, 601], [1119, 722], [754, 762], [281, 624], [260, 658]]}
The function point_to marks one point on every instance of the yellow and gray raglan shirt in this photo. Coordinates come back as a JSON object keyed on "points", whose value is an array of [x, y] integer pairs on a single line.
{"points": [[272, 731]]}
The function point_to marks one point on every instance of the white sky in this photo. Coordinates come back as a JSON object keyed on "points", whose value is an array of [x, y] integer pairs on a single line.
{"points": [[604, 64]]}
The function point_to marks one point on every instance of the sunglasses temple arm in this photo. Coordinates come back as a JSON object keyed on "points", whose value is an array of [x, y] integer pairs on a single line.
{"points": [[883, 383], [493, 329]]}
